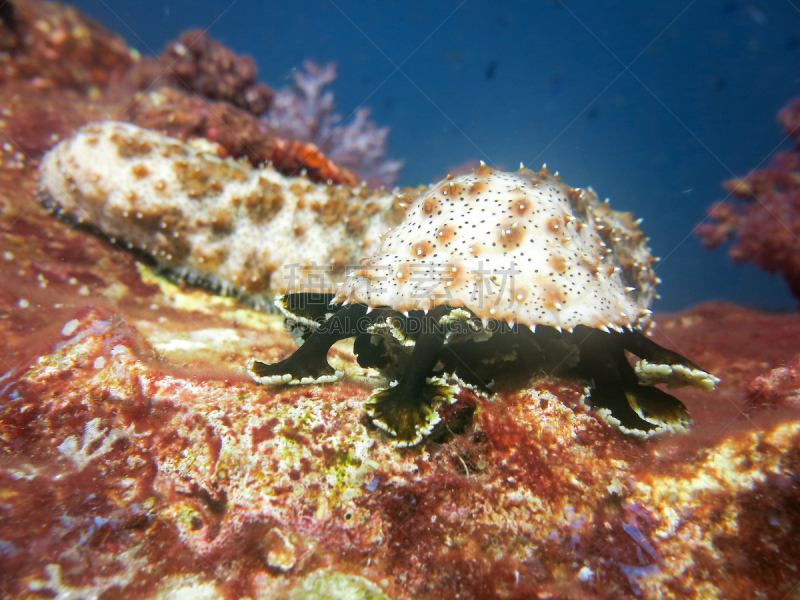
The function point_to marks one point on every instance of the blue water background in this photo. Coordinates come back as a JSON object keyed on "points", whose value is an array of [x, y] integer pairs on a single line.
{"points": [[653, 104]]}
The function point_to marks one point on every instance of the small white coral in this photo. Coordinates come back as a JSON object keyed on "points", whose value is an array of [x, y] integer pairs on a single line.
{"points": [[61, 590], [82, 455]]}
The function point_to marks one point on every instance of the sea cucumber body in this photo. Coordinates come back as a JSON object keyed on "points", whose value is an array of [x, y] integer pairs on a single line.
{"points": [[518, 247], [213, 220]]}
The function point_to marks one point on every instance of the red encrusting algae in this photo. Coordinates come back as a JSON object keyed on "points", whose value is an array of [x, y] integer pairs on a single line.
{"points": [[766, 224]]}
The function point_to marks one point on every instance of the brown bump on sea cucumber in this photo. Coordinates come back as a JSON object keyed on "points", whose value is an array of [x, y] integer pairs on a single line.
{"points": [[429, 206], [371, 208], [520, 293], [333, 211], [262, 207], [455, 276], [174, 150], [403, 273], [451, 190], [221, 222], [557, 263], [213, 187], [236, 174], [159, 219], [555, 225], [129, 147], [445, 234], [477, 187], [140, 171], [256, 274], [339, 258], [160, 186], [552, 297], [484, 170], [355, 226], [406, 199], [299, 231], [173, 250], [521, 207], [211, 257], [577, 201], [397, 211], [511, 233], [590, 266], [420, 249], [298, 189], [201, 178]]}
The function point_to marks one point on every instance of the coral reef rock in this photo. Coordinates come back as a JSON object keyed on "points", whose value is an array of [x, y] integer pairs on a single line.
{"points": [[142, 463], [206, 67], [53, 45], [236, 132]]}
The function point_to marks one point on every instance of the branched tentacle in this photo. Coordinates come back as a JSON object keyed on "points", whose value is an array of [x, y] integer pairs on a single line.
{"points": [[659, 365], [406, 410], [309, 364], [618, 393]]}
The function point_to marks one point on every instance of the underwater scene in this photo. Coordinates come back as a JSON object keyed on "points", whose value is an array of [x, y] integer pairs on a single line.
{"points": [[336, 299]]}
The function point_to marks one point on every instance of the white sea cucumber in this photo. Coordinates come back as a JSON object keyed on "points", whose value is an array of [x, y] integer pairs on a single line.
{"points": [[521, 247], [211, 220]]}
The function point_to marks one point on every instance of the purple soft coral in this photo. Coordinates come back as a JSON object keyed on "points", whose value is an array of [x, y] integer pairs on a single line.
{"points": [[305, 112]]}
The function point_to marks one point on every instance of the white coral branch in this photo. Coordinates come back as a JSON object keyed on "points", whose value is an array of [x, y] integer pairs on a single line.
{"points": [[92, 433]]}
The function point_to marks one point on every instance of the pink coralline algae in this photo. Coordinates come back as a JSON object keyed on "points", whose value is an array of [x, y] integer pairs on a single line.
{"points": [[766, 224], [202, 65], [53, 45], [306, 113], [779, 387]]}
